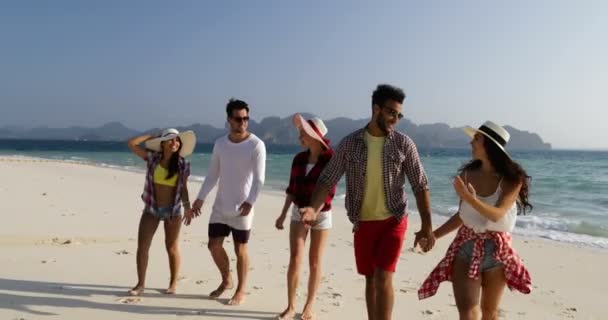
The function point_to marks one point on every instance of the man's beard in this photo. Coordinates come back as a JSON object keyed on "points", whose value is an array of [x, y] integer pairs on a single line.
{"points": [[381, 123]]}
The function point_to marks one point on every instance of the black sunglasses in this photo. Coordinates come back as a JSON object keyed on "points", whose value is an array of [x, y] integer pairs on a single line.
{"points": [[240, 119], [393, 113]]}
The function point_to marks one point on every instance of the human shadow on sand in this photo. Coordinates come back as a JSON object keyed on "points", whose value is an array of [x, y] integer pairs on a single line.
{"points": [[71, 295]]}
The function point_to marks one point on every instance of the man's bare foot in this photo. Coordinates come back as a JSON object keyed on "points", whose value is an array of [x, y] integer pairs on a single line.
{"points": [[307, 313], [288, 314], [237, 299], [136, 291], [225, 285]]}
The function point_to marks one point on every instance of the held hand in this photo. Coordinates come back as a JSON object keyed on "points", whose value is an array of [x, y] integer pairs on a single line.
{"points": [[188, 216], [308, 216], [279, 222], [196, 207], [425, 238], [245, 209], [465, 192]]}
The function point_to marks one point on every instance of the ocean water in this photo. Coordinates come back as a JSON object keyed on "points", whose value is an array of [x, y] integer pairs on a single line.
{"points": [[569, 189]]}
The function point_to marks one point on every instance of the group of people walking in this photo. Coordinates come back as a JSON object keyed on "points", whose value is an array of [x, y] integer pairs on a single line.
{"points": [[376, 161]]}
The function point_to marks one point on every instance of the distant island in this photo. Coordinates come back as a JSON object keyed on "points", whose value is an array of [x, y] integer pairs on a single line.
{"points": [[276, 130]]}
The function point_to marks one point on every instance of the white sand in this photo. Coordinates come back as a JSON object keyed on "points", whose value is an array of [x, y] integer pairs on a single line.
{"points": [[67, 252]]}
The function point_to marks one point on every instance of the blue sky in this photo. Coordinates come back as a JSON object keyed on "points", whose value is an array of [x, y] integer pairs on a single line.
{"points": [[536, 65]]}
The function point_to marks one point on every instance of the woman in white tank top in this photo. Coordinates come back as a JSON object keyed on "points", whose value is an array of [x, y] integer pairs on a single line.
{"points": [[492, 189]]}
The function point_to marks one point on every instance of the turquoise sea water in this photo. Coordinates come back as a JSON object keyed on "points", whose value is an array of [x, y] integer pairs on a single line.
{"points": [[569, 188]]}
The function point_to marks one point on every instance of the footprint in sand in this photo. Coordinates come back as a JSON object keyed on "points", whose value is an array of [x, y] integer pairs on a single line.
{"points": [[130, 300], [408, 289], [502, 313], [69, 241], [570, 312]]}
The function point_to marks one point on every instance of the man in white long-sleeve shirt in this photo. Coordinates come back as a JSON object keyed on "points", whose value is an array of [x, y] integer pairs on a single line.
{"points": [[237, 165]]}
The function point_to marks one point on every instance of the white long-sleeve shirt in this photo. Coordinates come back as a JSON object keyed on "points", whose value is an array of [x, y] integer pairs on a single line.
{"points": [[239, 170]]}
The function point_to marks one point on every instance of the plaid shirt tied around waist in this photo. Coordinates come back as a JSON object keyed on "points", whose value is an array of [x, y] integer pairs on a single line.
{"points": [[400, 159], [152, 160], [302, 185], [517, 276]]}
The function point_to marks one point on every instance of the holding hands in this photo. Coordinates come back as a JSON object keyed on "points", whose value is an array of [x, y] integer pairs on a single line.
{"points": [[308, 216], [189, 215], [425, 238]]}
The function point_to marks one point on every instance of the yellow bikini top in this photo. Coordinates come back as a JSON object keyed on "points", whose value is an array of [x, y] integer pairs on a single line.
{"points": [[160, 177]]}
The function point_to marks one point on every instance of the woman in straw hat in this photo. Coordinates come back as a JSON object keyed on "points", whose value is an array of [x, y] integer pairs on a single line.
{"points": [[305, 171], [493, 189], [165, 191]]}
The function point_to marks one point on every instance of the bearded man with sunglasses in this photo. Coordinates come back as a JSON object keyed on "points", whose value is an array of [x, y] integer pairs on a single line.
{"points": [[238, 165], [376, 160]]}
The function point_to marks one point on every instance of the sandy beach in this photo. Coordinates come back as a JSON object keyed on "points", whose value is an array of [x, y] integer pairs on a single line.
{"points": [[67, 251]]}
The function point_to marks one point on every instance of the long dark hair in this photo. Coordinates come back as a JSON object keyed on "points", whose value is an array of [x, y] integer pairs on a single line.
{"points": [[174, 161], [508, 169]]}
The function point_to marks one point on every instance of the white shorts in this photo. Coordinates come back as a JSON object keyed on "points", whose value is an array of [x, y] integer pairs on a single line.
{"points": [[323, 220]]}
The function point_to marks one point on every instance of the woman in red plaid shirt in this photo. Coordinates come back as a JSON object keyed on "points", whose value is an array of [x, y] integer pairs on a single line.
{"points": [[493, 189], [305, 171]]}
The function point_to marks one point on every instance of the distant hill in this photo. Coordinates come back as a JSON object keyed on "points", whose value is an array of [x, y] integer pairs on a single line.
{"points": [[276, 130]]}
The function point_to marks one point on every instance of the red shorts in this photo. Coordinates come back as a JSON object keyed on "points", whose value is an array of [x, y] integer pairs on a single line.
{"points": [[378, 244]]}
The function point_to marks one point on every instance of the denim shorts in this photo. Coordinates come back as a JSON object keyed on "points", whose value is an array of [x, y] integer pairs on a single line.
{"points": [[488, 261], [163, 213]]}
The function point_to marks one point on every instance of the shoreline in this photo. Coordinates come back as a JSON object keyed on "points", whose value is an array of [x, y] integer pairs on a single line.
{"points": [[583, 240]]}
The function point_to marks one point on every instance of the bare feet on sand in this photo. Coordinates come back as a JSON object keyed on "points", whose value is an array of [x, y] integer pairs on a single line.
{"points": [[172, 289], [307, 313], [288, 314], [225, 285], [237, 299], [136, 291]]}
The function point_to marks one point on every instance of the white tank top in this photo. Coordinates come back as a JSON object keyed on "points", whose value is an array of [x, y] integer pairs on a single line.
{"points": [[479, 223]]}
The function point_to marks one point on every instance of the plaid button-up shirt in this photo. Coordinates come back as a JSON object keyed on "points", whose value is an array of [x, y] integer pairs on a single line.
{"points": [[517, 276], [400, 159], [152, 160], [302, 184]]}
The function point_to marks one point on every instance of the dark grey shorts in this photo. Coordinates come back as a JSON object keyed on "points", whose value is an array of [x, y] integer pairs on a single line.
{"points": [[488, 261]]}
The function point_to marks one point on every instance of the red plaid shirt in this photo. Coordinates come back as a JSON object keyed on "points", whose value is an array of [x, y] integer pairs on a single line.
{"points": [[302, 185], [517, 275], [400, 159], [152, 160]]}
